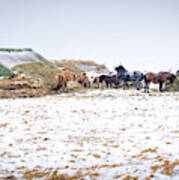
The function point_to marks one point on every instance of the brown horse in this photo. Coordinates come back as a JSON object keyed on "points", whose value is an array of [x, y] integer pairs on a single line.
{"points": [[84, 80], [157, 78], [63, 78]]}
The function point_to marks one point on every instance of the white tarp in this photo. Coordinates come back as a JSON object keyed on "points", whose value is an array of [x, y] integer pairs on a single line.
{"points": [[11, 59]]}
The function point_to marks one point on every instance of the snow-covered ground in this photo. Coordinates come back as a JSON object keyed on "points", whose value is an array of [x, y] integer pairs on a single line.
{"points": [[109, 134]]}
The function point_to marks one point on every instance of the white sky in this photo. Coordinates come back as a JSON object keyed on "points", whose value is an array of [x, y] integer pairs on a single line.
{"points": [[140, 34]]}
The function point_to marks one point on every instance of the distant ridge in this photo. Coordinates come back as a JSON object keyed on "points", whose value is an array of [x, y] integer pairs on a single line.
{"points": [[82, 65], [15, 50]]}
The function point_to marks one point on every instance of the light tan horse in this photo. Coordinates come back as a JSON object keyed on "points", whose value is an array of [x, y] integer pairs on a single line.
{"points": [[63, 78]]}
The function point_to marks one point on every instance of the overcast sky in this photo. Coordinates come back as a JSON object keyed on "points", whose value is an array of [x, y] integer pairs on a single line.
{"points": [[136, 33]]}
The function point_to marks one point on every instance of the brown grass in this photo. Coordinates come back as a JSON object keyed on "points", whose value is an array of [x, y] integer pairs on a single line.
{"points": [[166, 168], [39, 70], [70, 65]]}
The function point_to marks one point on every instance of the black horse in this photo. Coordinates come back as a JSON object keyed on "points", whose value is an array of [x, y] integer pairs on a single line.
{"points": [[125, 76], [110, 81]]}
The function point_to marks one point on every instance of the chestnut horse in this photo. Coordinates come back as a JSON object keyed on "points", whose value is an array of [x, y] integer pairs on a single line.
{"points": [[157, 78], [84, 80]]}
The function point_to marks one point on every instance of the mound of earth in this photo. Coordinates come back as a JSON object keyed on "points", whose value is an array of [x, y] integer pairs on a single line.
{"points": [[38, 70], [21, 86]]}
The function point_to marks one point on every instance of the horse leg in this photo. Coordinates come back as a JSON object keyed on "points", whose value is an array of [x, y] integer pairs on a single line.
{"points": [[133, 84], [106, 82], [57, 88], [160, 86], [117, 83], [146, 87], [138, 85], [125, 84], [98, 84], [65, 87], [148, 84], [145, 84], [84, 84]]}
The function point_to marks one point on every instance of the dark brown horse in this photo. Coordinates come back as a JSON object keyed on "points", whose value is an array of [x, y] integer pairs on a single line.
{"points": [[110, 81], [157, 78]]}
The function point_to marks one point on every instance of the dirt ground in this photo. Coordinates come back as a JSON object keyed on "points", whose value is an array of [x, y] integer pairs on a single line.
{"points": [[98, 134]]}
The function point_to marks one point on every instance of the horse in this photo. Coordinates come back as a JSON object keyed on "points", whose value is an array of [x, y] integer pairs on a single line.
{"points": [[93, 78], [125, 76], [84, 80], [110, 81], [63, 78], [157, 78]]}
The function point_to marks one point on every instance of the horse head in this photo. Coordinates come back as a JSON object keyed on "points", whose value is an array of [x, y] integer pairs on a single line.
{"points": [[120, 70]]}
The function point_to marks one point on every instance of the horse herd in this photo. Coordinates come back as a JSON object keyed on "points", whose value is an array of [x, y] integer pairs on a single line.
{"points": [[114, 80]]}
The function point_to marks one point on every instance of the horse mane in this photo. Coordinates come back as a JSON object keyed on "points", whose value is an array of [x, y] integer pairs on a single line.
{"points": [[120, 67], [173, 76]]}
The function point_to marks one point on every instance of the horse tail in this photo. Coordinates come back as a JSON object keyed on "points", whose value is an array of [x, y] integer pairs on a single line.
{"points": [[142, 76], [172, 78], [145, 79]]}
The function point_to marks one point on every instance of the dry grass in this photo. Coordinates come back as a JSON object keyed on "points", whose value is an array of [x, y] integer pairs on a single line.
{"points": [[38, 70], [166, 168], [70, 65], [34, 74]]}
